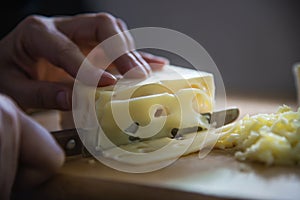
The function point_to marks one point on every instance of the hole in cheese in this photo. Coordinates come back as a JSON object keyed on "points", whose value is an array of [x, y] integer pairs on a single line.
{"points": [[160, 112], [200, 104]]}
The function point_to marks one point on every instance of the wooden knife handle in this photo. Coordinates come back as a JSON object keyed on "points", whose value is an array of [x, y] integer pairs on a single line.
{"points": [[69, 140]]}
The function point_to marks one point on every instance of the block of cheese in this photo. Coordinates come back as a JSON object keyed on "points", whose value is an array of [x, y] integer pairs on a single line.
{"points": [[143, 109]]}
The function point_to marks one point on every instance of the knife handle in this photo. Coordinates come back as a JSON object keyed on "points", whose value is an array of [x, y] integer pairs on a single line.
{"points": [[69, 140]]}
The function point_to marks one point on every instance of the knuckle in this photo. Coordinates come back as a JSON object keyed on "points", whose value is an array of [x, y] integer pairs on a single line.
{"points": [[34, 21], [34, 25], [67, 49], [105, 18]]}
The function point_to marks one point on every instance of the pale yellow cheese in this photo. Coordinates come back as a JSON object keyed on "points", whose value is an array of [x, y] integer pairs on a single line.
{"points": [[167, 99], [266, 138], [170, 79], [147, 152], [271, 139]]}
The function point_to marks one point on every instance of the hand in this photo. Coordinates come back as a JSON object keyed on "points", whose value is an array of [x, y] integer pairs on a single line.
{"points": [[41, 46], [28, 153]]}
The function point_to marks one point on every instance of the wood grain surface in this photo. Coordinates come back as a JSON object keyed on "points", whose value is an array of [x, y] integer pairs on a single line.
{"points": [[217, 176]]}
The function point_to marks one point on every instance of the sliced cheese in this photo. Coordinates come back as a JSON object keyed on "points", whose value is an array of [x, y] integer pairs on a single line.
{"points": [[167, 99], [147, 152], [170, 79]]}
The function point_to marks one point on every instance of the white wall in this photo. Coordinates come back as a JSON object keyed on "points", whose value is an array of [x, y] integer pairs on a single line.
{"points": [[253, 42]]}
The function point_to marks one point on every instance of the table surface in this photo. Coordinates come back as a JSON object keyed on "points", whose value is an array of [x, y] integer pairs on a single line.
{"points": [[217, 176]]}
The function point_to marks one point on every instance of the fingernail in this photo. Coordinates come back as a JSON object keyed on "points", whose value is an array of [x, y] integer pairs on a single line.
{"points": [[62, 99], [147, 67], [136, 72], [164, 60], [107, 79]]}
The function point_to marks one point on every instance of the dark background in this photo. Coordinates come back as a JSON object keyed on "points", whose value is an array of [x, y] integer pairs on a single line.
{"points": [[254, 43]]}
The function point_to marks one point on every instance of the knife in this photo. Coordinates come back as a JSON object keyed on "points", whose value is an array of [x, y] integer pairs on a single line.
{"points": [[72, 145]]}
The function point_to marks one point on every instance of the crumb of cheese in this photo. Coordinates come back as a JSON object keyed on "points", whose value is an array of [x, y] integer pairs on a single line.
{"points": [[273, 139]]}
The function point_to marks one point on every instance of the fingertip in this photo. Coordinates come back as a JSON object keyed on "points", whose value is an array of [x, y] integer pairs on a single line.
{"points": [[143, 62], [129, 66], [107, 79], [157, 66], [156, 63], [137, 72], [150, 58], [163, 60]]}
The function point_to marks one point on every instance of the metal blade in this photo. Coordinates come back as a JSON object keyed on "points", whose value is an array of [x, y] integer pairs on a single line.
{"points": [[70, 141], [224, 117]]}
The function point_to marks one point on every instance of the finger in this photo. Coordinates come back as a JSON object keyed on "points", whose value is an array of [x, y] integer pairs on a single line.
{"points": [[128, 69], [156, 62], [40, 155], [42, 39], [96, 28], [9, 145], [47, 95], [38, 94], [148, 60], [130, 43]]}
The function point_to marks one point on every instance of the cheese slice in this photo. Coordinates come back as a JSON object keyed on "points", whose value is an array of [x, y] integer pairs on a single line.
{"points": [[170, 79], [148, 152], [151, 108]]}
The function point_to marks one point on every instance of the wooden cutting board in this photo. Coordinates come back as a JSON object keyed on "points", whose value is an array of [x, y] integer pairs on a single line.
{"points": [[217, 176]]}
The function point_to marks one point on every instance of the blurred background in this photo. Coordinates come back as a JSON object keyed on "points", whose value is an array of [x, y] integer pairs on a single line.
{"points": [[254, 43]]}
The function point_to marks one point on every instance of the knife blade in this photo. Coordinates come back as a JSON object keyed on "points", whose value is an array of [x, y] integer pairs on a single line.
{"points": [[72, 145]]}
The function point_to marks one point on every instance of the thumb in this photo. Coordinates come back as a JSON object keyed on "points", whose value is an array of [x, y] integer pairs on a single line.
{"points": [[47, 95]]}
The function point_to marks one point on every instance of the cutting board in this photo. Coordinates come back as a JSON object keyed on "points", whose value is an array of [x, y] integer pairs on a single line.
{"points": [[216, 176]]}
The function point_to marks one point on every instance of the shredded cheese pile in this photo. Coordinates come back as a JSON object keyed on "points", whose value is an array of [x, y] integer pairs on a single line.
{"points": [[273, 139]]}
